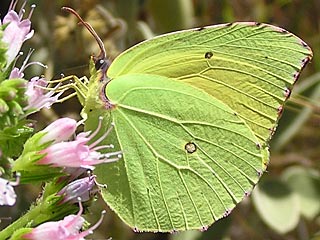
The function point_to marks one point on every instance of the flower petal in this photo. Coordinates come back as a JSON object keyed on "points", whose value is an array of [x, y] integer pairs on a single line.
{"points": [[7, 194], [16, 32]]}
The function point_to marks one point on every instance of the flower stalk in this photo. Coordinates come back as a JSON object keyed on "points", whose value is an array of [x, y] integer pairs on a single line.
{"points": [[56, 156]]}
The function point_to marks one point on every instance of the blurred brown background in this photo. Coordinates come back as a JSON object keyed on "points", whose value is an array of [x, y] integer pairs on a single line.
{"points": [[66, 47]]}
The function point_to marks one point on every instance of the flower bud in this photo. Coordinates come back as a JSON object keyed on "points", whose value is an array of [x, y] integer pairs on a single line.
{"points": [[60, 130], [80, 188], [68, 228], [3, 107], [79, 153]]}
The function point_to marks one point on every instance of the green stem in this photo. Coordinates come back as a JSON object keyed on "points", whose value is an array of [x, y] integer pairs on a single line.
{"points": [[45, 210], [22, 222]]}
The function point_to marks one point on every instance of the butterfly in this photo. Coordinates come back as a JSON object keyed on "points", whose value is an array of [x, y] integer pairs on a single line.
{"points": [[193, 112]]}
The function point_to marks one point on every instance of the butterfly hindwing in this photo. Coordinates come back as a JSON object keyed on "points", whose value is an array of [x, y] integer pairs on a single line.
{"points": [[187, 157]]}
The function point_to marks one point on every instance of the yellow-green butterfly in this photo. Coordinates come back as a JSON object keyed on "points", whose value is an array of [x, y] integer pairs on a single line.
{"points": [[193, 112]]}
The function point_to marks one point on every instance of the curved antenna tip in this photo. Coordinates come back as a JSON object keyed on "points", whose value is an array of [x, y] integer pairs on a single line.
{"points": [[102, 54]]}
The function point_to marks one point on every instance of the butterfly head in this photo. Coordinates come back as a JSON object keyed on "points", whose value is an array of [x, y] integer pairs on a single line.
{"points": [[101, 64]]}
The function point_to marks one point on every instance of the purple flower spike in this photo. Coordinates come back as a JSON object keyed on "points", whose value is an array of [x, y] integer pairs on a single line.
{"points": [[7, 194], [16, 32], [81, 188], [67, 229], [38, 97], [77, 153], [18, 73]]}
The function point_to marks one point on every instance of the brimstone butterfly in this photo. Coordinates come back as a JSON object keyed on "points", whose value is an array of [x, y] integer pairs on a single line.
{"points": [[193, 112]]}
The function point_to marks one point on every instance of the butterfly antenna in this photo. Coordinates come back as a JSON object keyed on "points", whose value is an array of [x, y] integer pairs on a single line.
{"points": [[102, 55]]}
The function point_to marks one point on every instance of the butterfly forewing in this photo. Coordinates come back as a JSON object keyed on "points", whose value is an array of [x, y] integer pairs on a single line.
{"points": [[250, 67]]}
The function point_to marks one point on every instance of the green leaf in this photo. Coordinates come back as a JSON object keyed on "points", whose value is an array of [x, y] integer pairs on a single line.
{"points": [[12, 139], [4, 71], [277, 205], [3, 59], [163, 11], [13, 127], [27, 165], [306, 184], [187, 235]]}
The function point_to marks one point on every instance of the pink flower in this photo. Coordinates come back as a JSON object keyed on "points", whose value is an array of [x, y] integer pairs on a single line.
{"points": [[66, 229], [60, 130], [18, 73], [7, 194], [37, 94], [81, 188], [17, 31], [77, 153], [38, 97]]}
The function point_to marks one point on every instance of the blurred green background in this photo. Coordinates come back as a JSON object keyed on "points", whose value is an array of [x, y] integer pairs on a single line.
{"points": [[286, 202]]}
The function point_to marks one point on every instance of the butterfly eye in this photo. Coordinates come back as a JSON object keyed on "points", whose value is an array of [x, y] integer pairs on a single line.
{"points": [[102, 64]]}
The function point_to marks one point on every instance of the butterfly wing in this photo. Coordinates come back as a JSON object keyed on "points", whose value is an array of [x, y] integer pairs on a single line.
{"points": [[250, 67], [187, 157], [193, 113]]}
